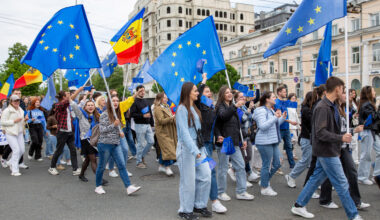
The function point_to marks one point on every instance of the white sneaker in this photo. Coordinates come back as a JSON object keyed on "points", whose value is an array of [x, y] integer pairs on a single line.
{"points": [[4, 163], [218, 207], [161, 169], [315, 196], [244, 196], [40, 159], [169, 171], [113, 174], [16, 174], [69, 163], [366, 182], [99, 190], [231, 172], [224, 197], [30, 157], [331, 205], [77, 172], [53, 171], [358, 217], [253, 177], [62, 162], [363, 205], [249, 185], [129, 174], [268, 191], [291, 182], [132, 189], [301, 211], [23, 166]]}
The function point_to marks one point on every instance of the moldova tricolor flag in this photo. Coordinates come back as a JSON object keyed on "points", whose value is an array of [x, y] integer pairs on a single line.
{"points": [[127, 42], [31, 76], [7, 88]]}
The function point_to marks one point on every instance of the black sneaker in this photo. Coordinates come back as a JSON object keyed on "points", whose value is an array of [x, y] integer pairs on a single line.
{"points": [[377, 180], [189, 216], [83, 178], [104, 182], [204, 212]]}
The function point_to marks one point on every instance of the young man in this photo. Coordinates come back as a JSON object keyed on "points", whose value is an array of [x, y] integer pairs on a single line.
{"points": [[142, 115], [327, 142], [282, 103], [65, 133]]}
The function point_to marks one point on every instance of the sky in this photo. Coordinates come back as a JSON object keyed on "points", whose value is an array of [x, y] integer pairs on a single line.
{"points": [[21, 20]]}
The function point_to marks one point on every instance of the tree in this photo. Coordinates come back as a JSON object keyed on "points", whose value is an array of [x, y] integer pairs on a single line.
{"points": [[219, 79], [115, 81], [157, 90]]}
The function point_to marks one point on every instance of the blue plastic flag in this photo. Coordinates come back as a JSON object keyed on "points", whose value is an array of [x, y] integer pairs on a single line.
{"points": [[309, 17], [206, 101], [228, 146], [324, 58], [178, 63], [292, 104], [211, 162], [242, 88], [49, 98], [137, 80], [88, 88], [65, 42], [240, 113], [200, 64], [250, 93], [78, 76], [368, 121], [108, 64], [142, 74], [145, 110]]}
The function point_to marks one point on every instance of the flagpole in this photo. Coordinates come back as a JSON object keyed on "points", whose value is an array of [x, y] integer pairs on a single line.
{"points": [[346, 51], [329, 69]]}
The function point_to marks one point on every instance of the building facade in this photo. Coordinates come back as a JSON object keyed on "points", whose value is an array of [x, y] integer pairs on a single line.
{"points": [[245, 53]]}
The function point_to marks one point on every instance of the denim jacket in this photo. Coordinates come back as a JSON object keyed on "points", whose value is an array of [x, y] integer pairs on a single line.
{"points": [[187, 136], [268, 126]]}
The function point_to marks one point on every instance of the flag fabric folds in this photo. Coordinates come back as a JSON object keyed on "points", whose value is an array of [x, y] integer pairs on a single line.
{"points": [[324, 58], [77, 77], [7, 88], [65, 42], [178, 63], [127, 42], [30, 76], [108, 64], [49, 98], [142, 74], [309, 17]]}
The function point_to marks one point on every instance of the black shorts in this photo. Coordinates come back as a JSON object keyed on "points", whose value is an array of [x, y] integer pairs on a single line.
{"points": [[86, 148]]}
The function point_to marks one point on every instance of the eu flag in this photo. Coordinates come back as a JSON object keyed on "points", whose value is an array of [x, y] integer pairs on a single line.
{"points": [[108, 64], [49, 98], [65, 42], [309, 17], [324, 58], [77, 77], [178, 63], [142, 74]]}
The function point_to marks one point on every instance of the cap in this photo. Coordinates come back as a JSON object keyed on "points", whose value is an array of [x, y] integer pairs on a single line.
{"points": [[14, 98]]}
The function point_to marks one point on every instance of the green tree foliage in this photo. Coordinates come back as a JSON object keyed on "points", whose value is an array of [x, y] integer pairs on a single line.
{"points": [[115, 81], [219, 79], [156, 89]]}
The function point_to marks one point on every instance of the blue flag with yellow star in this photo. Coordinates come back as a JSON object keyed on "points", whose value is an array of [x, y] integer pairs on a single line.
{"points": [[49, 98], [108, 64], [65, 42], [309, 17], [178, 63], [324, 58], [143, 74], [77, 77]]}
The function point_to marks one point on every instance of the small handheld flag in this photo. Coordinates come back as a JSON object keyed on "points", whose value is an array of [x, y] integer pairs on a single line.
{"points": [[108, 64], [206, 101], [242, 88], [145, 110], [142, 74], [137, 80], [228, 146], [7, 88]]}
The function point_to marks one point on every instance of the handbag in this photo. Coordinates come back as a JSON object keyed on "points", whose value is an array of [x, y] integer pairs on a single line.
{"points": [[200, 140], [95, 136]]}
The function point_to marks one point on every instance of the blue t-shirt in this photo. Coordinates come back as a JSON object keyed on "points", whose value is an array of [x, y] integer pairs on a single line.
{"points": [[283, 106]]}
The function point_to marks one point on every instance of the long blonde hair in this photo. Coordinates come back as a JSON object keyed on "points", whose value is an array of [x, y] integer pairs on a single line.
{"points": [[97, 101]]}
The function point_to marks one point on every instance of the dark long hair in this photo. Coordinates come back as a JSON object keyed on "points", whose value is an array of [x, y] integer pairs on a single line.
{"points": [[111, 117], [366, 96], [95, 113], [264, 97], [308, 99], [185, 101], [52, 110], [221, 98], [356, 96], [318, 92]]}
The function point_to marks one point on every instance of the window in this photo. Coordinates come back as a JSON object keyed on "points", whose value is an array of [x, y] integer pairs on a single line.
{"points": [[271, 67], [180, 10], [187, 24], [259, 69], [198, 11], [225, 27], [355, 24], [190, 11], [233, 28], [376, 52], [224, 39], [159, 12], [203, 12], [240, 71], [221, 14], [241, 28], [217, 26], [180, 23], [298, 90], [225, 14], [284, 65], [190, 24], [334, 30], [298, 63], [216, 14], [355, 84], [375, 19], [168, 23], [315, 57], [334, 58], [239, 53], [169, 36], [208, 12], [187, 11], [315, 35], [241, 16], [168, 10], [376, 82], [233, 16], [355, 55], [159, 25], [159, 38]]}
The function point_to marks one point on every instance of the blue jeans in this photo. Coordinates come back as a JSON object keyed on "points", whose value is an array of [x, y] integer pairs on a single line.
{"points": [[285, 135], [65, 153], [128, 134], [145, 140], [269, 154], [50, 147], [105, 151], [238, 165], [164, 163], [124, 149], [367, 143], [305, 160], [329, 167], [195, 180], [27, 136], [214, 184]]}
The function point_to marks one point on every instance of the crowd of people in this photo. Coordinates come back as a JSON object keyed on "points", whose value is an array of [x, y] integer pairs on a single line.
{"points": [[244, 132]]}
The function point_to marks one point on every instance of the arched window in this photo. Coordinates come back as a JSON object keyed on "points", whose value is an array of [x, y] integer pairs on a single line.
{"points": [[216, 13], [376, 82], [208, 12], [168, 10], [241, 16], [225, 14], [203, 12], [221, 14], [180, 10], [199, 11], [355, 84]]}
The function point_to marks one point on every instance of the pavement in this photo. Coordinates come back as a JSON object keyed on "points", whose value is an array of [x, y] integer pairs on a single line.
{"points": [[38, 195]]}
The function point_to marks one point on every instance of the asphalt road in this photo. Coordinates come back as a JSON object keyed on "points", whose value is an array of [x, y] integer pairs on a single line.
{"points": [[38, 195]]}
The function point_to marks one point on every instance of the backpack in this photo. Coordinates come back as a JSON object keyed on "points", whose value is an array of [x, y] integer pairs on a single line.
{"points": [[95, 135]]}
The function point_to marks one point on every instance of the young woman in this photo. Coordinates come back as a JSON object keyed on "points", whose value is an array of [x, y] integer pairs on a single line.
{"points": [[195, 175], [100, 104], [267, 139], [293, 116], [12, 121], [109, 146], [354, 117], [37, 128], [166, 133], [228, 125], [367, 110], [3, 143]]}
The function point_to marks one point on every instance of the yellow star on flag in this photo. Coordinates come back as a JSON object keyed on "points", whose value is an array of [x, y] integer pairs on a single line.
{"points": [[288, 31], [77, 36], [85, 75], [182, 79], [64, 58], [321, 63], [174, 54], [42, 41], [46, 48], [72, 26], [43, 35], [176, 73], [71, 56], [49, 26], [311, 21], [318, 9], [300, 29], [195, 77], [180, 46], [60, 22], [188, 43], [76, 73], [173, 64], [327, 69], [198, 45], [77, 47], [80, 75], [204, 52], [55, 50]]}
